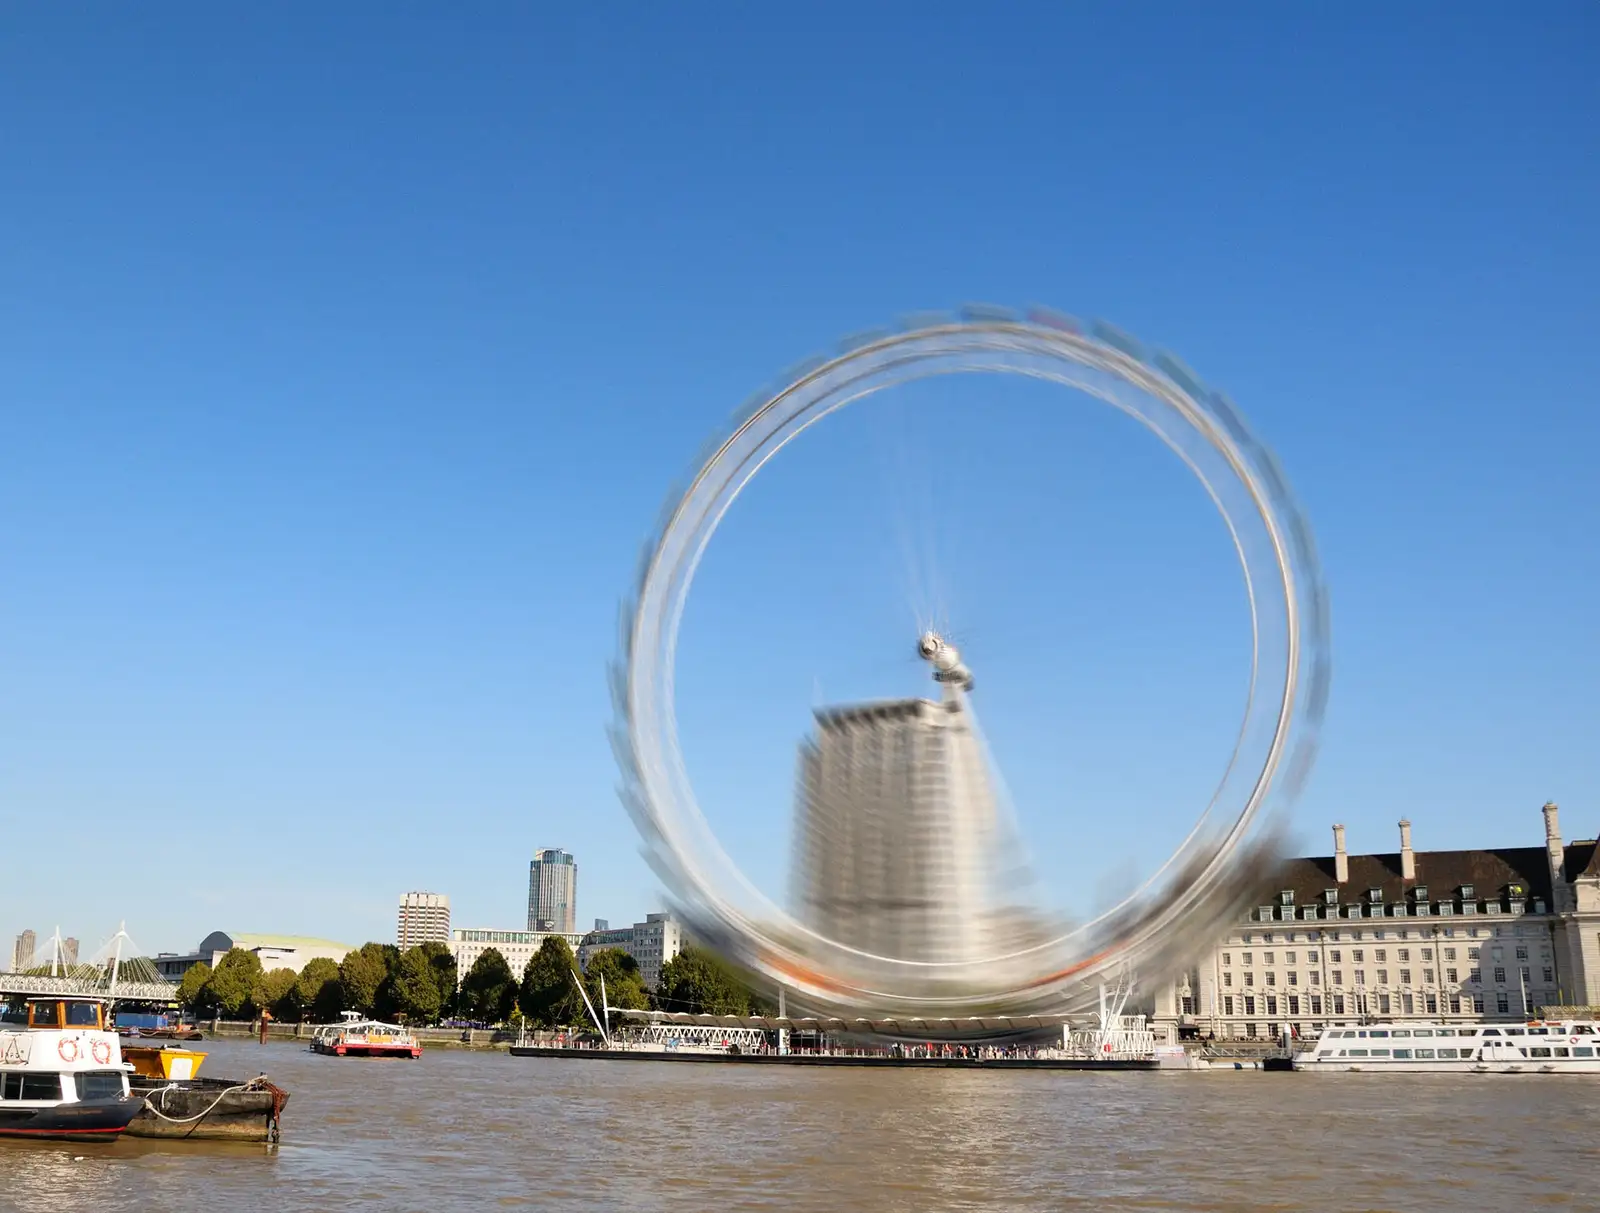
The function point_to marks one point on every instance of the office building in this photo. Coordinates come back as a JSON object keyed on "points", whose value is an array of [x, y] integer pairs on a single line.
{"points": [[553, 892], [896, 832], [1455, 936], [424, 918], [22, 952], [517, 948], [651, 943], [69, 950]]}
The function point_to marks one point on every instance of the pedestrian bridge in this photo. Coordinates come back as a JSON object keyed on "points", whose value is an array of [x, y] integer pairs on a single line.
{"points": [[133, 988]]}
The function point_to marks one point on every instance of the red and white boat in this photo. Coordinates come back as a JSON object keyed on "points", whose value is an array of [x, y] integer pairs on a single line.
{"points": [[357, 1037]]}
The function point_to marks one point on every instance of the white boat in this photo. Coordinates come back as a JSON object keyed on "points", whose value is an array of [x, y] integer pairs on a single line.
{"points": [[63, 1075], [1570, 1046], [358, 1037]]}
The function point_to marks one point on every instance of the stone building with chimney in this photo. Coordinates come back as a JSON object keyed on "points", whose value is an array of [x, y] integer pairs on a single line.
{"points": [[1452, 936]]}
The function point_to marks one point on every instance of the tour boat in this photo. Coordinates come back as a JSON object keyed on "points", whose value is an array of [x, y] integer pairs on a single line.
{"points": [[1569, 1046], [63, 1077], [357, 1037]]}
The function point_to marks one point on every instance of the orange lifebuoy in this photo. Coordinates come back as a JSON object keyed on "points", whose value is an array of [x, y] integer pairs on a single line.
{"points": [[102, 1051], [68, 1048]]}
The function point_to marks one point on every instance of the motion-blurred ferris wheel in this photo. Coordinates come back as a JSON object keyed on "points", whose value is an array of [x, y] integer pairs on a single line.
{"points": [[967, 951]]}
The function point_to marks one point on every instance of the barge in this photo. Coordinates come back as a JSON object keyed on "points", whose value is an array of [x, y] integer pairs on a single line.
{"points": [[179, 1104]]}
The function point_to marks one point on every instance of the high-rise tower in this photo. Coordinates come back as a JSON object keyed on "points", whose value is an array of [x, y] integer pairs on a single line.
{"points": [[424, 918], [553, 891]]}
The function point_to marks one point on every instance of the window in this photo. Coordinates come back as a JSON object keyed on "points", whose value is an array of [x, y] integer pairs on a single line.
{"points": [[40, 1086], [1549, 974], [1405, 954], [1427, 977], [1477, 1003], [1450, 976], [1359, 956], [1405, 977], [1383, 977], [87, 1015], [1272, 979], [1499, 974], [1335, 956], [1338, 977], [1316, 1004], [1474, 975], [1286, 898], [1267, 959], [1188, 1004], [1294, 1005], [1474, 953], [1272, 1005], [1311, 958], [1316, 978], [1249, 979], [1227, 1005], [1227, 958], [1502, 1004], [1249, 1029], [1522, 954], [1383, 1004], [1433, 1004], [1227, 979], [1449, 953], [1427, 953], [1524, 972], [1294, 979], [1361, 977], [1246, 958], [1249, 1005], [1409, 1003], [1338, 1004], [1288, 958], [99, 1084], [1382, 955]]}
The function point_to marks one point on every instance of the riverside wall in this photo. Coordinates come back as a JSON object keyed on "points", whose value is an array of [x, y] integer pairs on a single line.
{"points": [[452, 1038]]}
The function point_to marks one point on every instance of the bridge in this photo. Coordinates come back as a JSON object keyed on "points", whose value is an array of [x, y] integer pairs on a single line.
{"points": [[107, 974]]}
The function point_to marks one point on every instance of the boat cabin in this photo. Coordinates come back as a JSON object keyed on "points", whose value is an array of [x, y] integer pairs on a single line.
{"points": [[58, 1013]]}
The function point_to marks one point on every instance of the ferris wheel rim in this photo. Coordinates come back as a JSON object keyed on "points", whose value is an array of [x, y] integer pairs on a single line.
{"points": [[1219, 426]]}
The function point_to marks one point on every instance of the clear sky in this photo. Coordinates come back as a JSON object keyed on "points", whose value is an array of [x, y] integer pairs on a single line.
{"points": [[347, 353]]}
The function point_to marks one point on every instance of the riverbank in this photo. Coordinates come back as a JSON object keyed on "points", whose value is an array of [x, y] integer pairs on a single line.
{"points": [[431, 1038]]}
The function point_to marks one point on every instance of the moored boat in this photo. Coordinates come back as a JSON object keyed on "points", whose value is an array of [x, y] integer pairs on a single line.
{"points": [[180, 1104], [357, 1037], [63, 1077], [1569, 1046]]}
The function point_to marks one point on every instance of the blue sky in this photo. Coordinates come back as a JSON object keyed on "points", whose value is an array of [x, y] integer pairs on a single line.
{"points": [[346, 355]]}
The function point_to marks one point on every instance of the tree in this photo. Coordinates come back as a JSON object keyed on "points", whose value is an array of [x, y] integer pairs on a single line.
{"points": [[318, 990], [276, 992], [624, 986], [547, 995], [234, 981], [701, 983], [489, 991], [416, 987], [361, 973], [194, 991], [443, 962]]}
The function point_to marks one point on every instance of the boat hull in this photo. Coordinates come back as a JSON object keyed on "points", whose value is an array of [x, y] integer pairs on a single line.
{"points": [[409, 1052], [839, 1059], [1344, 1065], [88, 1120], [204, 1109]]}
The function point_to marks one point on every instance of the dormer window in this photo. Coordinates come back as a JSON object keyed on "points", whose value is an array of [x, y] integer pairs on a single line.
{"points": [[1467, 893], [1420, 893], [1374, 895], [1330, 897], [1286, 898]]}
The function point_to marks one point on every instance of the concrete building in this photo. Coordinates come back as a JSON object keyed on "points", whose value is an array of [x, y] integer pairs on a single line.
{"points": [[424, 918], [69, 950], [651, 943], [553, 892], [895, 831], [517, 947], [274, 952], [1455, 936], [22, 951]]}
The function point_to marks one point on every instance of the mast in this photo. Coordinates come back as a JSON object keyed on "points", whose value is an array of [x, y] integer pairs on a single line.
{"points": [[116, 959]]}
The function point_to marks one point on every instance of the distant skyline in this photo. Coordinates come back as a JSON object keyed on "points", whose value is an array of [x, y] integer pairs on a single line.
{"points": [[348, 357]]}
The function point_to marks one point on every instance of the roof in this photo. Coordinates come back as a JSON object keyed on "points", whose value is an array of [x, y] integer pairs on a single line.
{"points": [[972, 1028], [221, 941], [1489, 872], [1582, 858]]}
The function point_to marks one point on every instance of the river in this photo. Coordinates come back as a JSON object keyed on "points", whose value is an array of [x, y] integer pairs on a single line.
{"points": [[463, 1130]]}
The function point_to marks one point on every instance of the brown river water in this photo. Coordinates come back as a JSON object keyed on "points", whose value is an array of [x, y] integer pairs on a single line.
{"points": [[463, 1130]]}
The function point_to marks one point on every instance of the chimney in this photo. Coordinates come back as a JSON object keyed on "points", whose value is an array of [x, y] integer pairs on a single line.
{"points": [[1341, 861], [1408, 857], [1557, 856]]}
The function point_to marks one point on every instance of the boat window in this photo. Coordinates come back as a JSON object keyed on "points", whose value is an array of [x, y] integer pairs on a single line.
{"points": [[1378, 1034], [1491, 1031], [1380, 1052], [83, 1015], [1582, 1029], [1516, 1031], [1401, 1032], [1422, 1032], [1424, 1053], [1449, 1052], [1538, 1031], [1583, 1051], [99, 1084], [1361, 1034], [41, 1086], [10, 1086], [1402, 1052], [1536, 1051], [1358, 1052], [1561, 1052]]}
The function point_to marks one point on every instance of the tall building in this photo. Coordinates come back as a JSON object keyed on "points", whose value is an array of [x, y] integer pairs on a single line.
{"points": [[651, 943], [69, 950], [896, 831], [553, 892], [22, 953], [1457, 936], [424, 918]]}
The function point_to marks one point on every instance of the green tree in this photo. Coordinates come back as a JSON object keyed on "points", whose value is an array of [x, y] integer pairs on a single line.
{"points": [[318, 991], [276, 992], [624, 986], [416, 987], [700, 982], [194, 991], [489, 991], [361, 975], [234, 981], [548, 995], [443, 962]]}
